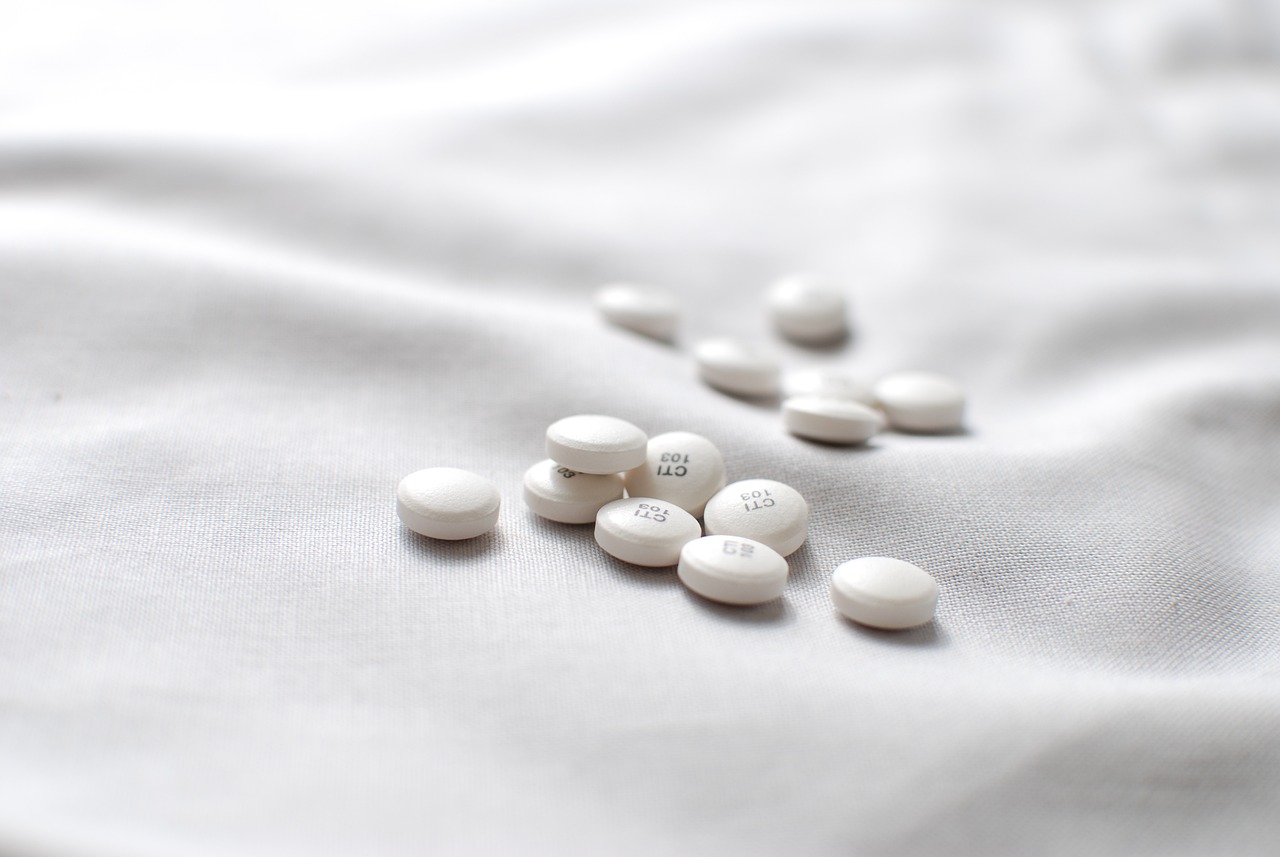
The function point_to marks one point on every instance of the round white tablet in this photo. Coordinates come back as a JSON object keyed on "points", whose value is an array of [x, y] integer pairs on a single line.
{"points": [[447, 503], [590, 443], [737, 367], [682, 468], [645, 531], [557, 493], [921, 401], [808, 310], [760, 509], [732, 570], [884, 593], [830, 420], [832, 383], [644, 309]]}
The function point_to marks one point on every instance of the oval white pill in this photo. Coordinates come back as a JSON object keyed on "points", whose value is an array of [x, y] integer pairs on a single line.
{"points": [[732, 570], [760, 509], [447, 503], [831, 383], [590, 443], [884, 593], [682, 468], [737, 367], [645, 531], [643, 309], [830, 420], [921, 401], [557, 493], [807, 309]]}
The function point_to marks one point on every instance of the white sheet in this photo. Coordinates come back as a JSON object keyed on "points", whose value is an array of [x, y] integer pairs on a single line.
{"points": [[259, 261]]}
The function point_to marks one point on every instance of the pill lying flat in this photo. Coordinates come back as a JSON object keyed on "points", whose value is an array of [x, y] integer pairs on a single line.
{"points": [[921, 401], [807, 309], [833, 383], [760, 509], [447, 503], [591, 443], [737, 367], [732, 570], [643, 309], [682, 468], [645, 531], [884, 593], [557, 493], [830, 420]]}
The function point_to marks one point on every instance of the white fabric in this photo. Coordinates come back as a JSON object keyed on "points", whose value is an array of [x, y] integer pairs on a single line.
{"points": [[260, 260]]}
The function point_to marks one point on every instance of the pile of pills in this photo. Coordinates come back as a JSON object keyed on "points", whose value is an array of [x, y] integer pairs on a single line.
{"points": [[646, 495]]}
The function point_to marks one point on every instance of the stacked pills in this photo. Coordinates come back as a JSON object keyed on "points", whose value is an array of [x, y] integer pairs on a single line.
{"points": [[665, 500], [646, 494]]}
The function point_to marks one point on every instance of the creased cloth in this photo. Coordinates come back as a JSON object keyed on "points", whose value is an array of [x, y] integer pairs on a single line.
{"points": [[258, 261]]}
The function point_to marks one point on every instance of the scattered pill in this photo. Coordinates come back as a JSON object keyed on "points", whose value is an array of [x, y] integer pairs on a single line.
{"points": [[921, 401], [643, 309], [732, 570], [447, 503], [557, 493], [832, 383], [682, 468], [760, 509], [808, 310], [830, 420], [645, 531], [737, 367], [884, 593], [590, 443]]}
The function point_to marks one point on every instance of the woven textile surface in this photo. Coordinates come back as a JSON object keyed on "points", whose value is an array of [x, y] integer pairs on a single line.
{"points": [[260, 261]]}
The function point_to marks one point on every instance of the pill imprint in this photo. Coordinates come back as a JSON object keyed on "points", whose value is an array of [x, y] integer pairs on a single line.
{"points": [[732, 570], [760, 509], [680, 467], [645, 530]]}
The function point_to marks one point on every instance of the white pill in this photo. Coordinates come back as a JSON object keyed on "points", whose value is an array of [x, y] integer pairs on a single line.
{"points": [[737, 367], [644, 309], [921, 401], [682, 468], [732, 570], [833, 383], [645, 531], [590, 443], [808, 310], [760, 509], [447, 503], [557, 493], [830, 420], [884, 593]]}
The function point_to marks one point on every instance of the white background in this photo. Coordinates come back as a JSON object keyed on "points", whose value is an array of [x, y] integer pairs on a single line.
{"points": [[258, 261]]}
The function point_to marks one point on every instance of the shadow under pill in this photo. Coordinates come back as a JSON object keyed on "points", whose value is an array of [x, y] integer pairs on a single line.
{"points": [[775, 612], [930, 636], [450, 552], [638, 575], [963, 431]]}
